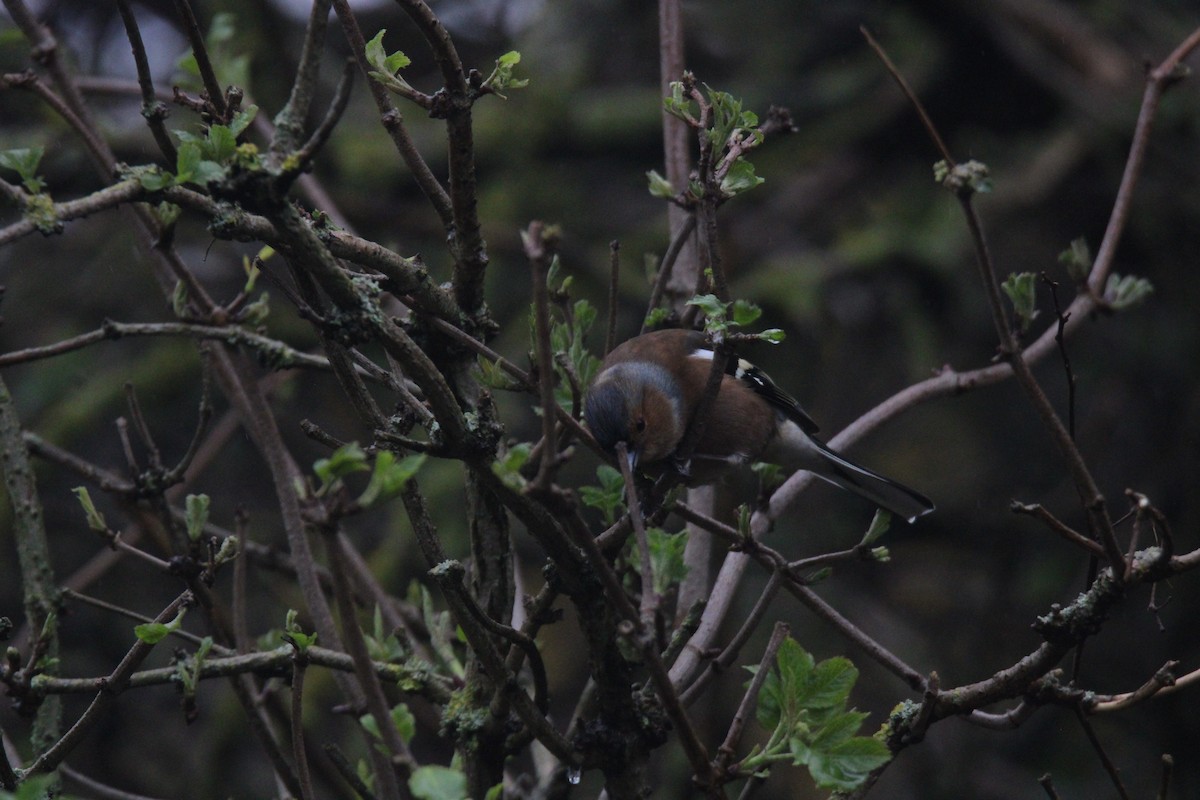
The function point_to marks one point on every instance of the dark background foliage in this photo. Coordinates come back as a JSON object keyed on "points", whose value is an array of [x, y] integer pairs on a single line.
{"points": [[849, 246]]}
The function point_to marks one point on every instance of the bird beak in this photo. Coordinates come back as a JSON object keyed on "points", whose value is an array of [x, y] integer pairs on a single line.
{"points": [[632, 457]]}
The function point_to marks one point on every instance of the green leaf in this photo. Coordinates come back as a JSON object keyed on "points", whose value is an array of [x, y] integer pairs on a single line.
{"points": [[167, 213], [179, 299], [155, 632], [24, 161], [196, 515], [502, 76], [405, 722], [745, 313], [155, 180], [438, 783], [241, 120], [95, 519], [492, 375], [712, 307], [35, 787], [1021, 289], [963, 179], [221, 144], [666, 558], [608, 496], [1077, 259], [660, 186], [387, 65], [771, 335], [1125, 292], [187, 159], [739, 178], [347, 459], [508, 467], [829, 683], [378, 57], [657, 317], [803, 704], [151, 632], [207, 172], [846, 765], [879, 526], [389, 476]]}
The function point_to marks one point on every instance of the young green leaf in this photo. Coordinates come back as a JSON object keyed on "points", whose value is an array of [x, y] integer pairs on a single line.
{"points": [[608, 496], [657, 317], [387, 65], [502, 76], [508, 467], [196, 515], [1125, 292], [241, 120], [666, 558], [878, 527], [660, 186], [155, 632], [739, 178], [434, 782], [95, 519], [1077, 259], [1021, 289], [347, 459], [389, 476], [803, 703], [771, 335], [24, 161], [712, 307], [745, 313]]}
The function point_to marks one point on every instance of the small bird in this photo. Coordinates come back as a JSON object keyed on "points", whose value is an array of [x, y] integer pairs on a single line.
{"points": [[646, 393]]}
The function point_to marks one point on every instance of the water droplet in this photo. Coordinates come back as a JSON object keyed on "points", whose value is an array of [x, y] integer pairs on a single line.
{"points": [[573, 775]]}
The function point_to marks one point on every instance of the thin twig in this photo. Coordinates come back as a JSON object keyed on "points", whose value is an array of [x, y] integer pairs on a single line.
{"points": [[725, 660], [614, 281], [1043, 515], [536, 250], [650, 599], [667, 266], [212, 86], [111, 687], [299, 667], [727, 749], [930, 128], [341, 99], [153, 109], [1113, 773], [1168, 766]]}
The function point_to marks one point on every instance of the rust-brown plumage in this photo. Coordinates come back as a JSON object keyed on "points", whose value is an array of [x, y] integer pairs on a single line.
{"points": [[646, 394]]}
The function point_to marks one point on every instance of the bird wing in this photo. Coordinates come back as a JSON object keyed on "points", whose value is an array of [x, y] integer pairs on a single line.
{"points": [[762, 385]]}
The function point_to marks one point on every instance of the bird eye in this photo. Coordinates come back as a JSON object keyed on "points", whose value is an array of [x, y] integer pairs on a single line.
{"points": [[640, 425]]}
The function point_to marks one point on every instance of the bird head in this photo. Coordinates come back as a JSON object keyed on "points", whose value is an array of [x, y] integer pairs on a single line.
{"points": [[624, 406]]}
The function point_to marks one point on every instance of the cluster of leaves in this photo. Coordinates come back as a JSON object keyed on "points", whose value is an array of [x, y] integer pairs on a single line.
{"points": [[1120, 291], [38, 206], [731, 130], [388, 475], [204, 159], [24, 161], [803, 704], [721, 318], [963, 179], [387, 68]]}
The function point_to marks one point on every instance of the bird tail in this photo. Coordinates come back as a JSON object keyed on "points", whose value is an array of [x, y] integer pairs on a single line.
{"points": [[883, 492]]}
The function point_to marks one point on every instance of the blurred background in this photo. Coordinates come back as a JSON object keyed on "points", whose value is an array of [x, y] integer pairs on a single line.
{"points": [[849, 246]]}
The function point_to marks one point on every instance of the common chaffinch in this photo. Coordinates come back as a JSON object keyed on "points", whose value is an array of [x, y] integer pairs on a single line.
{"points": [[646, 393]]}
